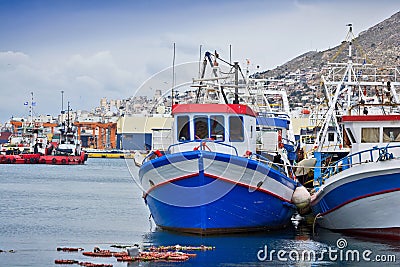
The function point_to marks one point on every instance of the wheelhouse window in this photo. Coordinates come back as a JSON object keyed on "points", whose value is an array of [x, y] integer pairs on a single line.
{"points": [[183, 128], [236, 131], [370, 135], [331, 137], [201, 127], [217, 127], [351, 135], [308, 139], [391, 134]]}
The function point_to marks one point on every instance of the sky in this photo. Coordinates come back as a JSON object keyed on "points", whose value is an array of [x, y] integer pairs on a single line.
{"points": [[92, 49]]}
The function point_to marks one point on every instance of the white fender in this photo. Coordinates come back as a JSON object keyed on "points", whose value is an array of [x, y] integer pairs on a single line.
{"points": [[301, 197]]}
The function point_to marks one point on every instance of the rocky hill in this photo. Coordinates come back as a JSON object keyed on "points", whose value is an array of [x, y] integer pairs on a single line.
{"points": [[379, 45]]}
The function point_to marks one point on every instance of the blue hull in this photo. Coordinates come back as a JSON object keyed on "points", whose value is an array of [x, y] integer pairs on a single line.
{"points": [[239, 207]]}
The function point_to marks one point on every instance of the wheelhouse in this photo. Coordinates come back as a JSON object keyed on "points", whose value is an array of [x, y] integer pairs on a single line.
{"points": [[365, 131], [230, 124]]}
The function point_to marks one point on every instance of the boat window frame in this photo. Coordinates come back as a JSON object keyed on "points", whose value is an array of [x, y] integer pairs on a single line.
{"points": [[198, 120], [180, 128], [220, 120], [396, 138], [232, 130], [351, 135], [331, 137], [373, 137]]}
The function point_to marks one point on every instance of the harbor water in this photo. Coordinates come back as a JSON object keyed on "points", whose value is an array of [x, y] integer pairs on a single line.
{"points": [[99, 205]]}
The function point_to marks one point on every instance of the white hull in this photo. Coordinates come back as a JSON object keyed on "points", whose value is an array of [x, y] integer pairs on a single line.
{"points": [[379, 211], [363, 198]]}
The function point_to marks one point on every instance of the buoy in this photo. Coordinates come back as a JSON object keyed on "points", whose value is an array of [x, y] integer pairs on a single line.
{"points": [[301, 197], [133, 251], [69, 249], [65, 261], [138, 158]]}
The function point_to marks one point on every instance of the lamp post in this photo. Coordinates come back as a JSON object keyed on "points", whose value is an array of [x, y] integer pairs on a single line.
{"points": [[62, 101]]}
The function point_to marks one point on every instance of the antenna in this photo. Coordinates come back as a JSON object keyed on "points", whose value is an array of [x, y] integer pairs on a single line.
{"points": [[173, 79], [230, 54], [200, 63]]}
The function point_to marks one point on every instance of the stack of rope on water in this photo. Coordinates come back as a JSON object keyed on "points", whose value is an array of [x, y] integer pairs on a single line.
{"points": [[154, 253]]}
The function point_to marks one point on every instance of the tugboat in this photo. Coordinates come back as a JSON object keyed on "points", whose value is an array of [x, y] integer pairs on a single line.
{"points": [[30, 145]]}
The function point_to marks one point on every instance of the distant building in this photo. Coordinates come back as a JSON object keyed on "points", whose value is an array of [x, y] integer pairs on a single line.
{"points": [[135, 132]]}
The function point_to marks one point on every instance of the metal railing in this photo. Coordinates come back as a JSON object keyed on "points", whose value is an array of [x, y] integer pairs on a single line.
{"points": [[358, 158], [203, 145]]}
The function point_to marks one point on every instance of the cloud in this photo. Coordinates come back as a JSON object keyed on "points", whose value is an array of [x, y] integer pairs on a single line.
{"points": [[110, 50], [83, 79]]}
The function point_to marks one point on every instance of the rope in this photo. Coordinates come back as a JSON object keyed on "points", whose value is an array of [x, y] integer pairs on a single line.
{"points": [[315, 220]]}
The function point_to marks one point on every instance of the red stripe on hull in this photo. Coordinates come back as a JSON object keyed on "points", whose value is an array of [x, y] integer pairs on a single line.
{"points": [[217, 178]]}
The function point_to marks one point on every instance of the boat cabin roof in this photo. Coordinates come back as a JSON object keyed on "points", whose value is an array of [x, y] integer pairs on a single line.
{"points": [[363, 118], [213, 108]]}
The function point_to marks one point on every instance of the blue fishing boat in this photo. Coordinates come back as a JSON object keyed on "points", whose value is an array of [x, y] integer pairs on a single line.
{"points": [[211, 180]]}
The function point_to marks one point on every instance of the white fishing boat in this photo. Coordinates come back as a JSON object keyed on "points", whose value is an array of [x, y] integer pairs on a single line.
{"points": [[360, 193]]}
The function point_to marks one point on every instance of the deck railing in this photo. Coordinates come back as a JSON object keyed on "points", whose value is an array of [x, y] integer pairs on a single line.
{"points": [[358, 158], [203, 144], [268, 162]]}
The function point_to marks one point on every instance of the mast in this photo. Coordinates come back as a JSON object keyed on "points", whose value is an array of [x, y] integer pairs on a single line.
{"points": [[236, 66], [173, 79], [68, 128], [31, 109], [62, 101], [341, 87], [350, 37]]}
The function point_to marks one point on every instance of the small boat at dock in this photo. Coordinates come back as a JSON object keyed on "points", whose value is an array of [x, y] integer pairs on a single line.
{"points": [[109, 154], [30, 144]]}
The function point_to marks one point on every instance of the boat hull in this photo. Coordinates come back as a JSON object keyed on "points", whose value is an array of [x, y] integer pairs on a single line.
{"points": [[363, 199], [208, 193]]}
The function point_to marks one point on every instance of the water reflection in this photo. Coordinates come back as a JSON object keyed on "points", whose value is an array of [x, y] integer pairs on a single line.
{"points": [[298, 246]]}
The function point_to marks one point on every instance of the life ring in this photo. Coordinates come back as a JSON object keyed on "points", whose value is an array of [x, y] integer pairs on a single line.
{"points": [[14, 160], [54, 160], [32, 160], [25, 161], [63, 161], [43, 161]]}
